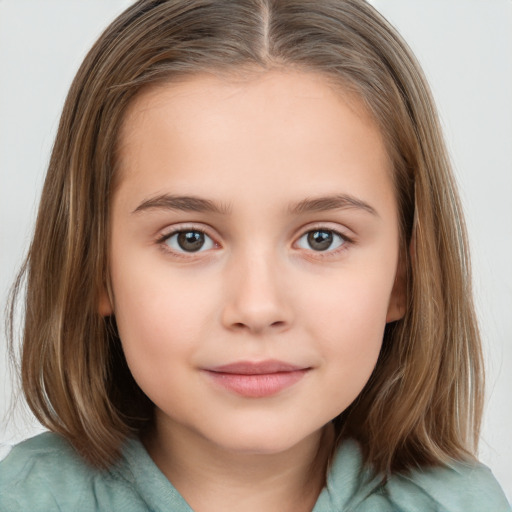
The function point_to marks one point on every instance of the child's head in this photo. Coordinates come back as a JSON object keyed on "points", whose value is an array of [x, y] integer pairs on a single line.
{"points": [[421, 404]]}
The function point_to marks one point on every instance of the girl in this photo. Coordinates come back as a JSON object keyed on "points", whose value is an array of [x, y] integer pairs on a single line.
{"points": [[247, 288]]}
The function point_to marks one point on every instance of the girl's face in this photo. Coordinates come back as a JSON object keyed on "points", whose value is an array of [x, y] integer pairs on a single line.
{"points": [[254, 252]]}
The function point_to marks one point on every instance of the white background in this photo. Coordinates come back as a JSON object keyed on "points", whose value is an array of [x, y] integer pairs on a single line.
{"points": [[465, 47]]}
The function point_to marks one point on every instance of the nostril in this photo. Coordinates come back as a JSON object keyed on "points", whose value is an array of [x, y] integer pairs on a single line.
{"points": [[243, 326]]}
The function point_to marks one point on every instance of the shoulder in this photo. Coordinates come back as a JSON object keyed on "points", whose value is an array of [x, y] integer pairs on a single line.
{"points": [[45, 474], [458, 487]]}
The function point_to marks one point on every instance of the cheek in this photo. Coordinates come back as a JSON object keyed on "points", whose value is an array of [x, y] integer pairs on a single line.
{"points": [[353, 304], [349, 319], [159, 317]]}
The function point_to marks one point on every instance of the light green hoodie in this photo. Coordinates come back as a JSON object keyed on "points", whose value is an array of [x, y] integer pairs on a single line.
{"points": [[44, 474]]}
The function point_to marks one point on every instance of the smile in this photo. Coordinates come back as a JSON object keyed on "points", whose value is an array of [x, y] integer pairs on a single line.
{"points": [[256, 380]]}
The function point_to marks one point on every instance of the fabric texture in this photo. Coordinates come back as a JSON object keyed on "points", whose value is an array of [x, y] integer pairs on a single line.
{"points": [[44, 474]]}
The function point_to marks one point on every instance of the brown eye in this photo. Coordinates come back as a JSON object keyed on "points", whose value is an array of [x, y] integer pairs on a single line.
{"points": [[321, 240], [189, 241]]}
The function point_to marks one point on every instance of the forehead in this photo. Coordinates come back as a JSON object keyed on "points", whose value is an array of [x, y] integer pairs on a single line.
{"points": [[293, 95], [244, 84], [264, 128]]}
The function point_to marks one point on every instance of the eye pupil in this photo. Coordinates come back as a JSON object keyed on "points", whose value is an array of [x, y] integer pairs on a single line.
{"points": [[320, 240], [190, 241]]}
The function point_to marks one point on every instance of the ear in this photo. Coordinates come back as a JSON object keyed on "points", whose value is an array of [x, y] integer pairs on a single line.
{"points": [[104, 302], [397, 300]]}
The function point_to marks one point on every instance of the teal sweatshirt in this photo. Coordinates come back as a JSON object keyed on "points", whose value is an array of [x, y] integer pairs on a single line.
{"points": [[44, 474]]}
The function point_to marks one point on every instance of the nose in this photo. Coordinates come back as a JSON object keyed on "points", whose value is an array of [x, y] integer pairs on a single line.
{"points": [[256, 296]]}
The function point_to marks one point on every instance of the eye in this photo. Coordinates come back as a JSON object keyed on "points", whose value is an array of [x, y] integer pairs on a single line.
{"points": [[321, 240], [190, 240]]}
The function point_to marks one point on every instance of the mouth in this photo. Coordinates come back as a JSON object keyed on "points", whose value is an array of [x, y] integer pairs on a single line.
{"points": [[256, 379]]}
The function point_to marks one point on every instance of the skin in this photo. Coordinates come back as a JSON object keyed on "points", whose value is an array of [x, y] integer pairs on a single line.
{"points": [[257, 289]]}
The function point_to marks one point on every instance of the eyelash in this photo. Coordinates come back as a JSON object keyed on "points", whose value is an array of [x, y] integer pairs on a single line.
{"points": [[163, 240], [328, 252]]}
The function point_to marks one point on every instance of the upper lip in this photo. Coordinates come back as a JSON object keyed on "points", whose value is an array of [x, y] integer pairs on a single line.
{"points": [[256, 368]]}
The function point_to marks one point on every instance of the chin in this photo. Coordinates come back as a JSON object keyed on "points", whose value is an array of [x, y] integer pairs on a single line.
{"points": [[266, 442]]}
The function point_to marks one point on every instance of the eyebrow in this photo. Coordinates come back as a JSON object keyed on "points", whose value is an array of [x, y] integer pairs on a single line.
{"points": [[198, 204], [334, 202], [181, 203]]}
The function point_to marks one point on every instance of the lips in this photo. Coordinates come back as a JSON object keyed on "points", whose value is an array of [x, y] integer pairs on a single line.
{"points": [[256, 379], [256, 368]]}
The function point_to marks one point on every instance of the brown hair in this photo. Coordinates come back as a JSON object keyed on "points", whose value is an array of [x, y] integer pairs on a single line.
{"points": [[422, 405]]}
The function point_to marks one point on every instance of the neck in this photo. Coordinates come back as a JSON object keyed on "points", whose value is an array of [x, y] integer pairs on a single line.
{"points": [[211, 479]]}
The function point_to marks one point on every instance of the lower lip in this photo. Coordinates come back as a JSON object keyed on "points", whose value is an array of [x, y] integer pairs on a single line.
{"points": [[257, 386]]}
